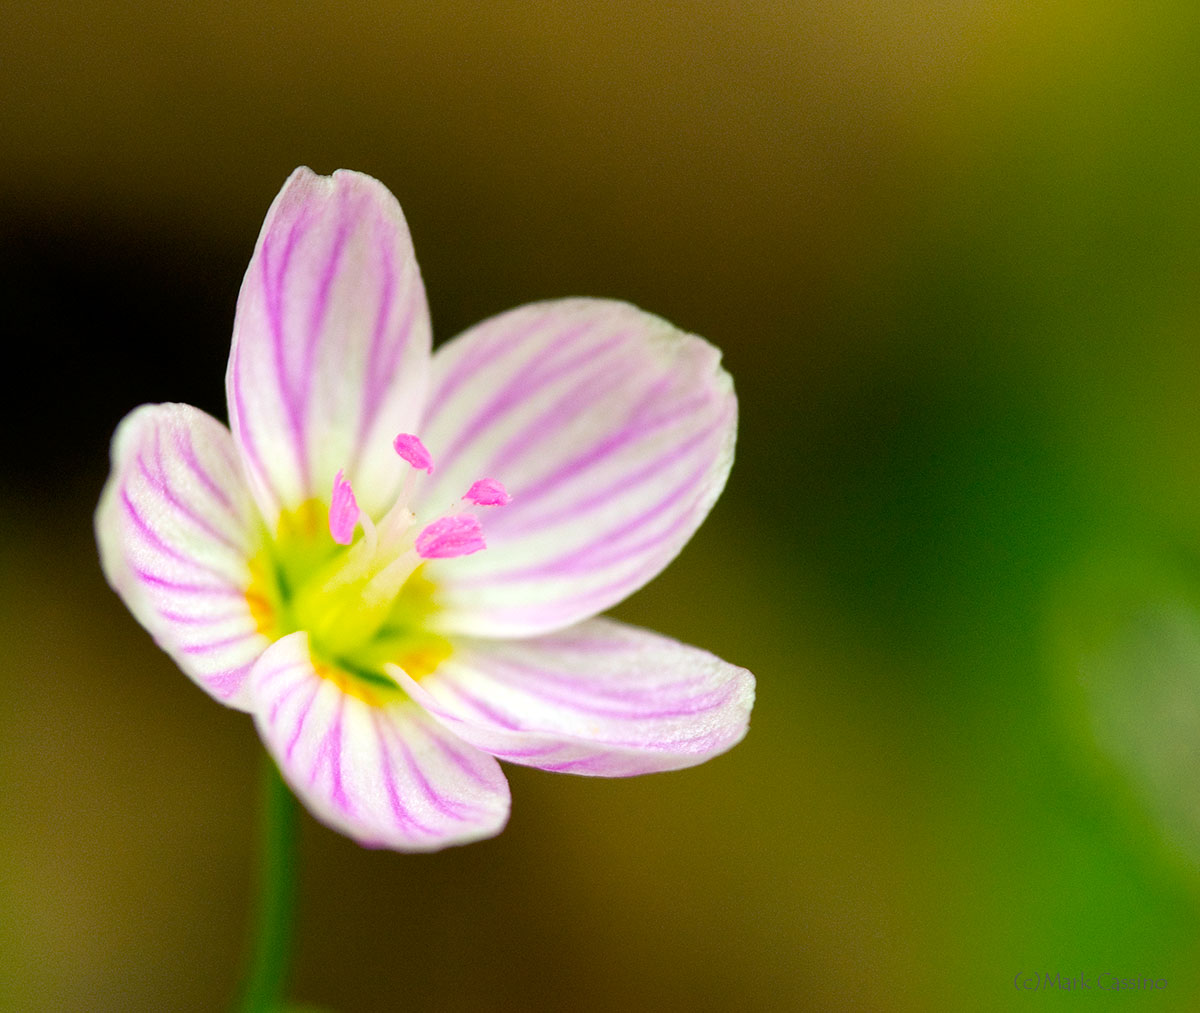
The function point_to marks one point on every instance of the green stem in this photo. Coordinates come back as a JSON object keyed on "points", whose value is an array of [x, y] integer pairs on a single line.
{"points": [[267, 973]]}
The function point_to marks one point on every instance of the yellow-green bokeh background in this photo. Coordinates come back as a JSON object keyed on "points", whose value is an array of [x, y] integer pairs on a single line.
{"points": [[952, 254]]}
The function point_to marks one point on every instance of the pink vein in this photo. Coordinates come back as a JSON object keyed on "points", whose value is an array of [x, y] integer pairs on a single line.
{"points": [[524, 383], [188, 452], [486, 346]]}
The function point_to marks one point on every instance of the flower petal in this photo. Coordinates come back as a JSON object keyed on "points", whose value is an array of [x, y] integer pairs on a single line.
{"points": [[176, 527], [613, 432], [330, 354], [373, 766], [600, 698]]}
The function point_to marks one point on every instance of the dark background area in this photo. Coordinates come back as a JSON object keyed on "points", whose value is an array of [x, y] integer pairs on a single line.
{"points": [[952, 255]]}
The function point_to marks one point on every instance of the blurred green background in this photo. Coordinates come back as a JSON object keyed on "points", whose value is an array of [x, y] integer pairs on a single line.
{"points": [[952, 254]]}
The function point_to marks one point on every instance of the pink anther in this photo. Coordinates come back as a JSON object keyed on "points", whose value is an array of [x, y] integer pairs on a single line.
{"points": [[414, 452], [447, 537], [488, 492], [343, 511]]}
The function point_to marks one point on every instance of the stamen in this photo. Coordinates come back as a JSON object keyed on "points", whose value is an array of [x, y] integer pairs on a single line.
{"points": [[392, 528], [414, 452], [343, 511], [488, 492], [360, 558], [386, 584], [447, 537]]}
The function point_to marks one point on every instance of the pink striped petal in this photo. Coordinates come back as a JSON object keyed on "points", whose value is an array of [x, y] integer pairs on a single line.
{"points": [[176, 526], [614, 433], [330, 353], [371, 764], [599, 698]]}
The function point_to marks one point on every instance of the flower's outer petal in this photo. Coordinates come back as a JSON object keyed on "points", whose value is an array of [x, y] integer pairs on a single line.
{"points": [[176, 527], [330, 354], [378, 769], [599, 698], [612, 431]]}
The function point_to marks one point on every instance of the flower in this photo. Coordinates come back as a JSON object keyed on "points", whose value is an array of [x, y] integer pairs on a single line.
{"points": [[392, 560]]}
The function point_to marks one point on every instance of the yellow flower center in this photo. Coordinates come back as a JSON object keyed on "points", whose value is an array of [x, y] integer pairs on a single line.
{"points": [[346, 599]]}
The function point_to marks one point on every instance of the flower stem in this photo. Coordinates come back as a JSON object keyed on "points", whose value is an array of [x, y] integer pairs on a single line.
{"points": [[267, 973]]}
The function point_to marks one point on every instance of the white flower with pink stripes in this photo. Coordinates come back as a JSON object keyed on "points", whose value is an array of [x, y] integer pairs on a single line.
{"points": [[391, 559]]}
